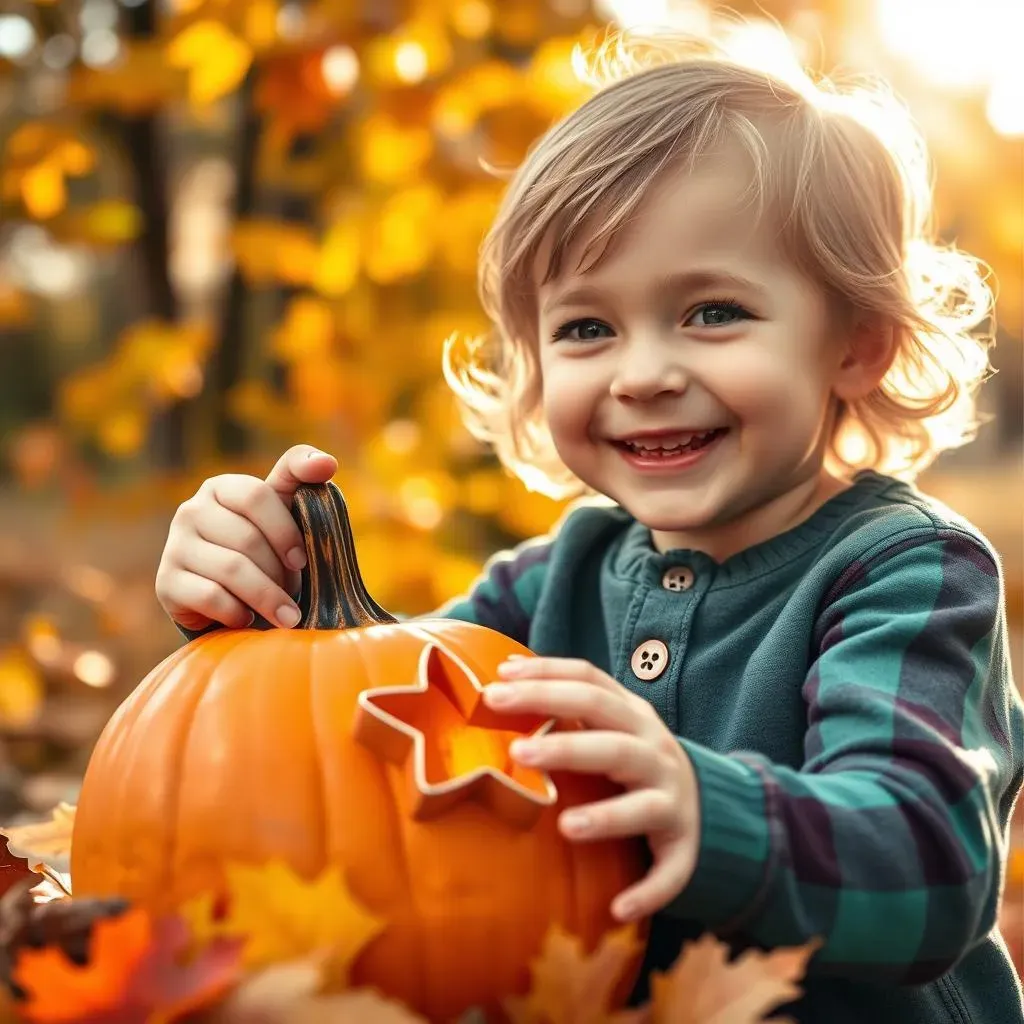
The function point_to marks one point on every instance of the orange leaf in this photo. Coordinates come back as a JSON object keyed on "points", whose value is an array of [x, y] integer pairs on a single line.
{"points": [[134, 972], [570, 987], [702, 987]]}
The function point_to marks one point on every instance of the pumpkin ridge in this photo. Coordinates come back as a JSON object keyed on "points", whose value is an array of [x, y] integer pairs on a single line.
{"points": [[316, 753], [181, 752], [393, 807]]}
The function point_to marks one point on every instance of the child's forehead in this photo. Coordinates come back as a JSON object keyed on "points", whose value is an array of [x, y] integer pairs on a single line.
{"points": [[714, 210]]}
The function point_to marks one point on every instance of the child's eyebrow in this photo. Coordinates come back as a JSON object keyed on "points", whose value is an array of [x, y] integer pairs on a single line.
{"points": [[665, 285]]}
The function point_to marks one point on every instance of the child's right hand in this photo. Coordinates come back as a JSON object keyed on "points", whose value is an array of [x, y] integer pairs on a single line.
{"points": [[234, 549]]}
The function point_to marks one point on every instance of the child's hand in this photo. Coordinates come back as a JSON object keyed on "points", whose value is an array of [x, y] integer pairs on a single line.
{"points": [[233, 548], [625, 740]]}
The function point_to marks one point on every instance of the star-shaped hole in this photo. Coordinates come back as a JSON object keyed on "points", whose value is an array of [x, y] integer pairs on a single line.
{"points": [[452, 745]]}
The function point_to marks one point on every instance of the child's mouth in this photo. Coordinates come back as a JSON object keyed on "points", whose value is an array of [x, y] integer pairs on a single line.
{"points": [[669, 453]]}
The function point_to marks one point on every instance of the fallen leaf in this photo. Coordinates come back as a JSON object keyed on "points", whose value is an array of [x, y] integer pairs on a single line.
{"points": [[288, 994], [31, 918], [284, 917], [270, 994], [44, 840], [133, 973], [13, 869], [570, 987], [703, 987]]}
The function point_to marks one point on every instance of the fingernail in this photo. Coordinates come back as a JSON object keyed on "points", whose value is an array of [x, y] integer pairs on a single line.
{"points": [[296, 558], [524, 751], [252, 619], [497, 693], [288, 615], [624, 910], [576, 821], [315, 453], [510, 667]]}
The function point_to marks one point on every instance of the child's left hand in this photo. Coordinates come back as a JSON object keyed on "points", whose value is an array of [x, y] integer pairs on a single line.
{"points": [[625, 740]]}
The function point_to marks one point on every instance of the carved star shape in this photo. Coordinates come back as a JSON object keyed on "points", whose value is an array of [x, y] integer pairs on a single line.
{"points": [[452, 746]]}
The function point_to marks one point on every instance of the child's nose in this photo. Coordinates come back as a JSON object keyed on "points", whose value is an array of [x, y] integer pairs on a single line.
{"points": [[648, 370]]}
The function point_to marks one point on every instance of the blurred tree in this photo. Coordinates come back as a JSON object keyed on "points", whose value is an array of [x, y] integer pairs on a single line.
{"points": [[233, 224]]}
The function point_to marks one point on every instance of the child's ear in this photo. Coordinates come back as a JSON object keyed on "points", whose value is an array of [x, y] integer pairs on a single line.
{"points": [[870, 350]]}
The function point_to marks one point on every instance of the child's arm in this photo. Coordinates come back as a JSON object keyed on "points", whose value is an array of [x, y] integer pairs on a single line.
{"points": [[889, 843], [505, 595]]}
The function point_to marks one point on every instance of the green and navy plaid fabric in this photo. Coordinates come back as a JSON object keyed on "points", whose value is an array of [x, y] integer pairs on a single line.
{"points": [[845, 693]]}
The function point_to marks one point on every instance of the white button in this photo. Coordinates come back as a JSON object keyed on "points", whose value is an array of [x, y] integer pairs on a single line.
{"points": [[649, 660], [679, 577]]}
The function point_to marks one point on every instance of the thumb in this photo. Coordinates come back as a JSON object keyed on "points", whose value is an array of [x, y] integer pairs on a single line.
{"points": [[302, 464]]}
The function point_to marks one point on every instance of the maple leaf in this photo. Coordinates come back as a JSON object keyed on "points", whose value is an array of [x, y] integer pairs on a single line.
{"points": [[570, 987], [283, 917], [13, 869], [702, 987], [133, 973], [44, 840]]}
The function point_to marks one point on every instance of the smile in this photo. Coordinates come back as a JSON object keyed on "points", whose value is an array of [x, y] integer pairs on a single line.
{"points": [[669, 452]]}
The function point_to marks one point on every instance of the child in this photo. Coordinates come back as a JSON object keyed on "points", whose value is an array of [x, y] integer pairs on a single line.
{"points": [[715, 304]]}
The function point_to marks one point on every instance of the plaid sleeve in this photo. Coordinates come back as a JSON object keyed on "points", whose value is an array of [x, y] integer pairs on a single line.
{"points": [[889, 843], [505, 596]]}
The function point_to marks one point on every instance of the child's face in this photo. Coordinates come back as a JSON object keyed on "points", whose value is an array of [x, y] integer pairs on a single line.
{"points": [[696, 322]]}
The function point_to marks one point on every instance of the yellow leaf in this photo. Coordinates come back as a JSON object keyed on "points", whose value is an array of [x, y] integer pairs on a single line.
{"points": [[702, 987], [43, 191], [122, 433], [284, 917], [21, 688], [108, 222], [307, 331], [217, 60], [141, 81], [391, 152], [570, 987], [271, 252], [43, 840], [403, 238], [338, 265]]}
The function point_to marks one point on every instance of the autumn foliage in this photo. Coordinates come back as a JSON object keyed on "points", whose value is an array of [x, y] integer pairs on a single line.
{"points": [[281, 953]]}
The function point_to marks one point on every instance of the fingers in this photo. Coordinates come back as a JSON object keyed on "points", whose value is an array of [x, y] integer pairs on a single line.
{"points": [[620, 756], [595, 707], [557, 668], [657, 889], [301, 464], [636, 813], [197, 601], [241, 578], [256, 503]]}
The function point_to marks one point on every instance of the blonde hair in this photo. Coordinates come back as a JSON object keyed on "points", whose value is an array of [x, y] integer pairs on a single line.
{"points": [[846, 163]]}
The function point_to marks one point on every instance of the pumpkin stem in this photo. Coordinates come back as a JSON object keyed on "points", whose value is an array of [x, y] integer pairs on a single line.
{"points": [[333, 594]]}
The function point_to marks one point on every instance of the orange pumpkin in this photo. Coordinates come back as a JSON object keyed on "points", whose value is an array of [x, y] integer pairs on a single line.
{"points": [[356, 741]]}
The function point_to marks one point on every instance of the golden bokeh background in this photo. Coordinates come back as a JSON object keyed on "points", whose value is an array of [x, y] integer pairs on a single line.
{"points": [[229, 226]]}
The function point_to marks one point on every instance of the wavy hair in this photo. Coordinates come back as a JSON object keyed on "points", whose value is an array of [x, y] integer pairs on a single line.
{"points": [[849, 172]]}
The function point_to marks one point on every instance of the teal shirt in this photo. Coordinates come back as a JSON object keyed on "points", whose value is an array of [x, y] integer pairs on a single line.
{"points": [[845, 694]]}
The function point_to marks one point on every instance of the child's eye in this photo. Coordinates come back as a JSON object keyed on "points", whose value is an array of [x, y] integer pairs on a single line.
{"points": [[583, 330], [718, 314]]}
